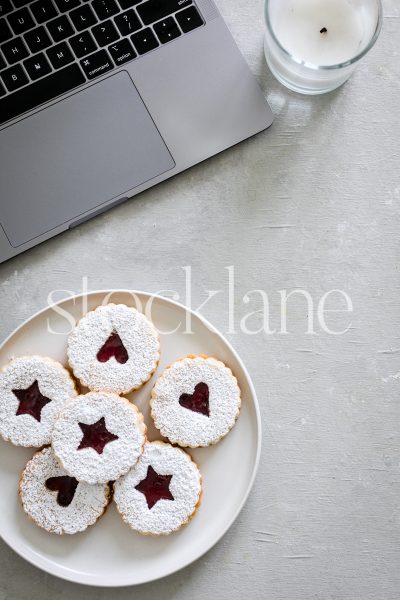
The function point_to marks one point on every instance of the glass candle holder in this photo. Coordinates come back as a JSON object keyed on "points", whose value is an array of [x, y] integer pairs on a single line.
{"points": [[313, 46]]}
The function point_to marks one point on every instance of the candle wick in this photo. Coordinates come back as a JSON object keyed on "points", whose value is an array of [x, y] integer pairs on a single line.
{"points": [[324, 30]]}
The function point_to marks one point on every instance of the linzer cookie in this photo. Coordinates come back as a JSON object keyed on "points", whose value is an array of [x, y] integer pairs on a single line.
{"points": [[196, 401], [33, 391], [161, 492], [114, 348], [57, 502], [98, 437]]}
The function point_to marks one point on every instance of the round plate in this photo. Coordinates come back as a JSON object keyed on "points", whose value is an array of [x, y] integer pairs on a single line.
{"points": [[110, 553]]}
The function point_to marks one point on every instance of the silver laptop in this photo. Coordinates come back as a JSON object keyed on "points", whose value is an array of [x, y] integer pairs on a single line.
{"points": [[102, 99]]}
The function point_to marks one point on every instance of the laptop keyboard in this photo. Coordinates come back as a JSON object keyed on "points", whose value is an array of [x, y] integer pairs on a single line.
{"points": [[49, 47]]}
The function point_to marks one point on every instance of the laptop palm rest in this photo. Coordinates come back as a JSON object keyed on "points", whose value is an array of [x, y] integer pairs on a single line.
{"points": [[74, 156]]}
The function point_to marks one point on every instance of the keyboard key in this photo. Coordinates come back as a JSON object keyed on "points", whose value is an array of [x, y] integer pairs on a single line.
{"points": [[167, 30], [105, 8], [155, 10], [5, 7], [2, 63], [83, 17], [14, 50], [83, 44], [60, 28], [5, 31], [2, 89], [122, 52], [43, 10], [41, 91], [105, 33], [128, 22], [13, 78], [97, 64], [189, 19], [64, 5], [20, 3], [21, 21], [60, 55], [37, 66], [37, 39], [128, 3], [144, 40]]}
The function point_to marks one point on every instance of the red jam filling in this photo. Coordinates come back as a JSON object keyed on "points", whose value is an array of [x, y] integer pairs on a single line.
{"points": [[113, 346], [198, 401], [65, 486], [155, 487], [96, 436], [31, 401]]}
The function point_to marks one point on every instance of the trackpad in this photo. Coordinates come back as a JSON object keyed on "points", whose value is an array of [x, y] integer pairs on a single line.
{"points": [[76, 155]]}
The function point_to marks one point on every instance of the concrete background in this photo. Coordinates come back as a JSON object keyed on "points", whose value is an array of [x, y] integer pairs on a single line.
{"points": [[311, 204]]}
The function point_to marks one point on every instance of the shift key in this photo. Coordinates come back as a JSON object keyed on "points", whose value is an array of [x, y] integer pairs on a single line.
{"points": [[96, 64], [154, 10]]}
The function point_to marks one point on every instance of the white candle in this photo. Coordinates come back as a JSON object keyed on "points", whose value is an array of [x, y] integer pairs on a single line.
{"points": [[321, 32], [325, 36]]}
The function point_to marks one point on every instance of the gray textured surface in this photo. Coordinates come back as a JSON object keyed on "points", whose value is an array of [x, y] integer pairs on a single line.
{"points": [[313, 203]]}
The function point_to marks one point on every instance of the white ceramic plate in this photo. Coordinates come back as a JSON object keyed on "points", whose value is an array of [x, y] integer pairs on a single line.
{"points": [[110, 553]]}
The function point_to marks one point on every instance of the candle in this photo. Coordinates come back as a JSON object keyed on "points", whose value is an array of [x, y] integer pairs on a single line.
{"points": [[321, 33], [312, 46]]}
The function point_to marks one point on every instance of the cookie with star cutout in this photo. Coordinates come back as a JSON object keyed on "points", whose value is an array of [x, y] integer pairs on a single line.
{"points": [[98, 437], [162, 492], [57, 502], [114, 348], [196, 401], [33, 391]]}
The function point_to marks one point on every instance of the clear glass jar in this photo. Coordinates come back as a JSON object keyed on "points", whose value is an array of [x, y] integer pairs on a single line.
{"points": [[313, 46]]}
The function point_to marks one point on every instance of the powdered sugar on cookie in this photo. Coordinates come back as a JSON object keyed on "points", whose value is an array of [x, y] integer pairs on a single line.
{"points": [[114, 348], [33, 391], [196, 401], [98, 437], [171, 490], [85, 504]]}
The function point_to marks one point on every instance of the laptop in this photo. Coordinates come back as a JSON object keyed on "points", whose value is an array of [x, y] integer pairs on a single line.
{"points": [[102, 99]]}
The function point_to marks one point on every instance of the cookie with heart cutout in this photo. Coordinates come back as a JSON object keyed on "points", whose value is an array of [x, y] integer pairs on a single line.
{"points": [[162, 492], [98, 437], [57, 502], [114, 348], [33, 391], [196, 401]]}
